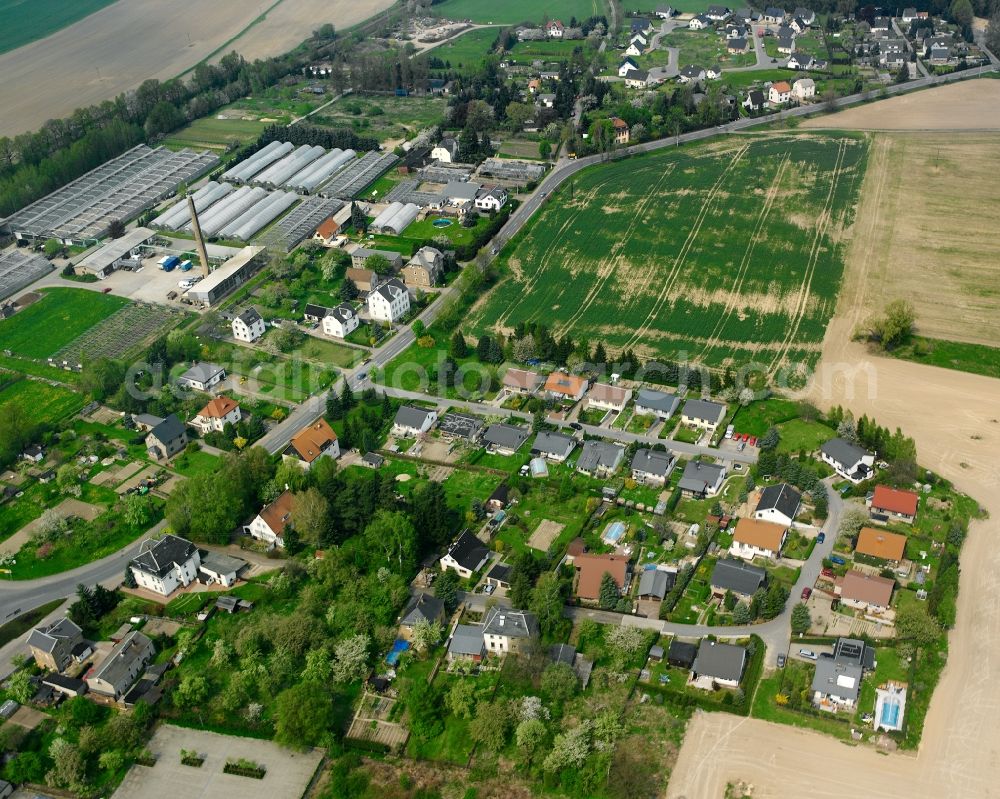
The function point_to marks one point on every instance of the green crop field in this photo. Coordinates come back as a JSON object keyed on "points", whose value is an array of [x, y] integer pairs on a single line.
{"points": [[29, 20], [215, 133], [726, 253], [46, 403], [514, 11], [468, 51], [44, 328]]}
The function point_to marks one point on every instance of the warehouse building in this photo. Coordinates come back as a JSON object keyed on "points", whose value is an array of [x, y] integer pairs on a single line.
{"points": [[228, 277], [126, 251]]}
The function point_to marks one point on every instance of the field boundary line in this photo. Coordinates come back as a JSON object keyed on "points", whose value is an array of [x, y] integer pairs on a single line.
{"points": [[822, 223], [686, 247]]}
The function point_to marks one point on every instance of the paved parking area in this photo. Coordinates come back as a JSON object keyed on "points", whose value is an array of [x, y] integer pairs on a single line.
{"points": [[288, 772]]}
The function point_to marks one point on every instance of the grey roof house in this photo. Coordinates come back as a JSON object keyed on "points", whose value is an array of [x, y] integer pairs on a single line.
{"points": [[467, 643], [505, 438], [52, 645], [466, 555], [600, 458], [737, 576], [413, 421], [554, 446], [655, 583], [123, 665], [651, 466], [703, 413], [167, 439], [779, 504], [202, 376], [719, 663], [423, 607], [657, 403], [701, 479], [851, 461], [836, 684]]}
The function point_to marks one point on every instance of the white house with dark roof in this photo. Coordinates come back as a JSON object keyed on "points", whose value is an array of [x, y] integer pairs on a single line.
{"points": [[836, 686], [167, 438], [505, 439], [850, 461], [248, 326], [637, 79], [389, 302], [421, 608], [737, 577], [627, 65], [652, 467], [504, 629], [699, 22], [412, 421], [446, 151], [779, 504], [650, 402], [466, 555], [122, 667], [163, 565], [202, 376], [691, 73], [491, 198], [340, 321], [600, 458], [703, 414], [718, 664], [702, 479], [554, 446]]}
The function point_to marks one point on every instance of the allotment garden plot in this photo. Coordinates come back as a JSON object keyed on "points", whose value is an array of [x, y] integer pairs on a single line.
{"points": [[728, 253]]}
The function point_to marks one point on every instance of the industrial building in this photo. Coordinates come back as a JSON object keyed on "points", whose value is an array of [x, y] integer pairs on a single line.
{"points": [[301, 222], [179, 215], [19, 269], [116, 253], [81, 212], [349, 182], [228, 277], [283, 165]]}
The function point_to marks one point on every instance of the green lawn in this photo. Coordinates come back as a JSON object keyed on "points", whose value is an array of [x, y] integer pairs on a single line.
{"points": [[464, 485], [515, 11], [975, 358], [467, 52], [455, 233], [47, 403], [44, 328], [215, 133], [29, 20], [549, 49], [190, 464], [798, 434], [704, 48], [786, 682], [329, 352], [758, 417]]}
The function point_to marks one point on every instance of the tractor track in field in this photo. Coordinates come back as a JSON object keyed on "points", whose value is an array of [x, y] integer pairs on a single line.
{"points": [[759, 225], [686, 248], [823, 222], [616, 257]]}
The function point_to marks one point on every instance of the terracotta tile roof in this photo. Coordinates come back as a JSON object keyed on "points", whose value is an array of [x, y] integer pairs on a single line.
{"points": [[565, 384], [867, 588], [781, 86], [881, 544], [218, 408], [592, 568], [310, 442], [895, 501], [279, 513], [760, 534], [328, 227]]}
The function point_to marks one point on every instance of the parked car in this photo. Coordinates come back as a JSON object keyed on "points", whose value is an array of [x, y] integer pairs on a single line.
{"points": [[106, 291], [576, 425], [821, 538], [808, 654], [781, 661], [828, 573], [838, 560], [806, 592]]}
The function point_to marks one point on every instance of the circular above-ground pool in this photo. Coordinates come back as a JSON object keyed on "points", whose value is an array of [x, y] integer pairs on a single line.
{"points": [[442, 222]]}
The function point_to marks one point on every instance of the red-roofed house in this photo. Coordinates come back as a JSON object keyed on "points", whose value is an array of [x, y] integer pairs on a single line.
{"points": [[566, 386], [216, 414], [621, 130], [779, 93], [555, 29], [591, 570], [891, 504], [608, 397], [867, 592], [327, 231]]}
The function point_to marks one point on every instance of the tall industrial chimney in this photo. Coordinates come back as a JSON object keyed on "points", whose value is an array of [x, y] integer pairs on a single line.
{"points": [[199, 240]]}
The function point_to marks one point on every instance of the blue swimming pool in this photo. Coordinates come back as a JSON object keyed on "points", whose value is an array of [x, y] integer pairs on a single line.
{"points": [[615, 531], [890, 713], [399, 646]]}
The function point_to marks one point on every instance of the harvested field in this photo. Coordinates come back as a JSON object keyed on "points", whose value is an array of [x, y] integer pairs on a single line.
{"points": [[727, 253], [967, 105], [927, 223], [123, 44], [546, 532]]}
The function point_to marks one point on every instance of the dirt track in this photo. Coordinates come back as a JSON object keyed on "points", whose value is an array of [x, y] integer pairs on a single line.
{"points": [[132, 40], [969, 105], [955, 419]]}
